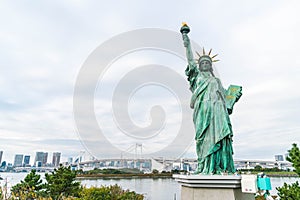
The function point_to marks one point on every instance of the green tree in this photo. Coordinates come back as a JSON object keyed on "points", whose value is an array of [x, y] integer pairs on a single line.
{"points": [[29, 188], [258, 168], [292, 191], [294, 157], [61, 183]]}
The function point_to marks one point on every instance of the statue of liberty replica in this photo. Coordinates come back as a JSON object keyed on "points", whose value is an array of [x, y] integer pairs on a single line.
{"points": [[212, 106]]}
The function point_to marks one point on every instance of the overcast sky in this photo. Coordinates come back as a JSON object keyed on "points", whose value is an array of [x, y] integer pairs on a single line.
{"points": [[43, 45]]}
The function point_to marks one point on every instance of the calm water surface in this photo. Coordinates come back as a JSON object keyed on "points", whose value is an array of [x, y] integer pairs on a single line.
{"points": [[166, 189]]}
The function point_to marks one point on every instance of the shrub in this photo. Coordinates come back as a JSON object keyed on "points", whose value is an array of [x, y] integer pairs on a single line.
{"points": [[113, 192]]}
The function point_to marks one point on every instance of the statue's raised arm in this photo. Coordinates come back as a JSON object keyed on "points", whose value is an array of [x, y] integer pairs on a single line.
{"points": [[187, 44], [192, 70]]}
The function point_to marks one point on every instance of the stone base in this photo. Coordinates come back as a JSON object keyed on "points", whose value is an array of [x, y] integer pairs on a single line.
{"points": [[212, 187], [188, 193]]}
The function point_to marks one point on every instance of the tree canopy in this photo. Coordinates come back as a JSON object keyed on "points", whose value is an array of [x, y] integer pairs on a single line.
{"points": [[292, 191]]}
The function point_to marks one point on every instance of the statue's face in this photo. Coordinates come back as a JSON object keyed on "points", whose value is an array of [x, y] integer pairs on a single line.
{"points": [[205, 66]]}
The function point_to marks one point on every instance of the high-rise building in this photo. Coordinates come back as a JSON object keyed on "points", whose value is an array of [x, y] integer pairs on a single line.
{"points": [[56, 159], [18, 160], [279, 158], [26, 160], [41, 157], [1, 153], [45, 158]]}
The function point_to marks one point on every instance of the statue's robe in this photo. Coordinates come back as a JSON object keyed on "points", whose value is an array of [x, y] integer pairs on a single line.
{"points": [[212, 123]]}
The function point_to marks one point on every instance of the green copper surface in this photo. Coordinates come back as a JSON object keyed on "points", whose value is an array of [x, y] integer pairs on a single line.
{"points": [[212, 105]]}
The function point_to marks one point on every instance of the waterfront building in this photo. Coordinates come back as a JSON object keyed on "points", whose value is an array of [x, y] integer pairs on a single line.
{"points": [[41, 157], [18, 160], [266, 164], [9, 167], [279, 158], [26, 160], [3, 164], [38, 164], [56, 159]]}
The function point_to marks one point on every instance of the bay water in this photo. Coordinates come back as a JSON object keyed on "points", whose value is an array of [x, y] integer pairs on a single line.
{"points": [[152, 188]]}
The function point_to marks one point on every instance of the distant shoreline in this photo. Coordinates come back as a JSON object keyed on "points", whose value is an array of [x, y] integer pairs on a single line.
{"points": [[121, 176], [283, 175], [278, 174], [138, 176]]}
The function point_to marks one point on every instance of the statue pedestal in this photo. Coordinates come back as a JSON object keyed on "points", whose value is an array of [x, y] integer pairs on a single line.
{"points": [[212, 187]]}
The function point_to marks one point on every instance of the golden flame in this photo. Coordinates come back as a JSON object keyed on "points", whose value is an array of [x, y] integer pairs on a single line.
{"points": [[184, 24]]}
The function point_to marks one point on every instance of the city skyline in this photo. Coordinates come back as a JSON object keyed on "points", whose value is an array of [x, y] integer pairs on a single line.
{"points": [[20, 159], [55, 158], [45, 44]]}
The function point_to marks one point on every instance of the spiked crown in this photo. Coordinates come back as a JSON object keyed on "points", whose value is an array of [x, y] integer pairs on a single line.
{"points": [[206, 57]]}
